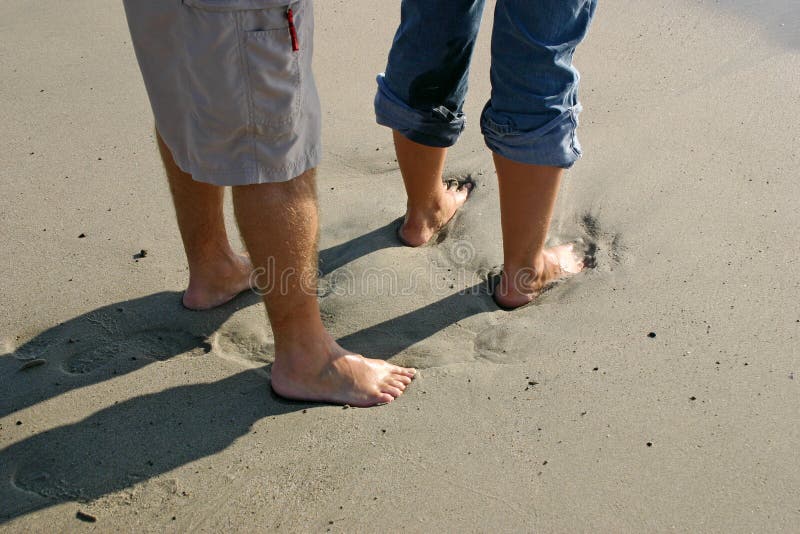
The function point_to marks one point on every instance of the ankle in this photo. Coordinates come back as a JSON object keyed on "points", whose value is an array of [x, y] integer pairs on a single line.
{"points": [[297, 328], [524, 277], [216, 265], [432, 201], [422, 213], [304, 353]]}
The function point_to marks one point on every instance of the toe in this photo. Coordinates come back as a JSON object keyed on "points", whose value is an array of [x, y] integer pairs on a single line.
{"points": [[384, 398], [462, 192], [402, 378], [391, 390], [396, 383], [404, 371]]}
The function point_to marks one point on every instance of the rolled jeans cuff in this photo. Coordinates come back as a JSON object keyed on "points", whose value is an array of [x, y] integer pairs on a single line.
{"points": [[439, 127], [554, 144]]}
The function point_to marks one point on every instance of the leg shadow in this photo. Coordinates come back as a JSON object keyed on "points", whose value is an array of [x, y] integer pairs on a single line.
{"points": [[107, 342], [149, 435], [132, 441], [389, 338], [125, 336], [333, 258]]}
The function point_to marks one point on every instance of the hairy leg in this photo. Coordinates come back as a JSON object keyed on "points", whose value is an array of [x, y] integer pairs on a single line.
{"points": [[279, 224], [216, 272]]}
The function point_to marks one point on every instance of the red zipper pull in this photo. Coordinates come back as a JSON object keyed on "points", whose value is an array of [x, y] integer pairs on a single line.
{"points": [[292, 30]]}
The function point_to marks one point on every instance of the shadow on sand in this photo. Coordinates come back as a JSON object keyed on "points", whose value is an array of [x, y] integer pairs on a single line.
{"points": [[146, 436]]}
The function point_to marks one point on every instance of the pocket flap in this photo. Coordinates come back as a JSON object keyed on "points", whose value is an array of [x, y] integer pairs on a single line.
{"points": [[235, 5]]}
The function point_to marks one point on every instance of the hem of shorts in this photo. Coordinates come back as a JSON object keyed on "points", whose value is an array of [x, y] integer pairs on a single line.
{"points": [[257, 174]]}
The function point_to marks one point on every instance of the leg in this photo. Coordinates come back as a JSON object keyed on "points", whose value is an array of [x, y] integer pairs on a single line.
{"points": [[530, 125], [431, 202], [279, 224], [421, 97], [216, 272], [527, 198]]}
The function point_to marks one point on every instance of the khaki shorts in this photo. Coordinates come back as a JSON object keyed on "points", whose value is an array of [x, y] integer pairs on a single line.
{"points": [[231, 87]]}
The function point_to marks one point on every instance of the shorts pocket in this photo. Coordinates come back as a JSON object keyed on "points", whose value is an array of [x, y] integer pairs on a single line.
{"points": [[274, 79]]}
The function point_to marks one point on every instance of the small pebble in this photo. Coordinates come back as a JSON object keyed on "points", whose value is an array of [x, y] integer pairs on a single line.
{"points": [[649, 443], [651, 335], [81, 236], [83, 516]]}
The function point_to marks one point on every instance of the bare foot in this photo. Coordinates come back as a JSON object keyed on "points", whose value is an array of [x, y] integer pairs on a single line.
{"points": [[218, 284], [322, 371], [520, 286], [422, 223]]}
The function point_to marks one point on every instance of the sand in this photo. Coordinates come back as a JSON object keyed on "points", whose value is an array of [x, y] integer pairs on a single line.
{"points": [[562, 417]]}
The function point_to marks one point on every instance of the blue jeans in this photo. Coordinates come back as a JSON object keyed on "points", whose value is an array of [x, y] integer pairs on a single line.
{"points": [[533, 111]]}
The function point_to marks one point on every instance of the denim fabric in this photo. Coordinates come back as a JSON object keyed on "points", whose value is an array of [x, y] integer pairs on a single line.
{"points": [[531, 116]]}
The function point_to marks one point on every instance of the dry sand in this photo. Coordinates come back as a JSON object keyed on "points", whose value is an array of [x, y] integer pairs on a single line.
{"points": [[562, 417]]}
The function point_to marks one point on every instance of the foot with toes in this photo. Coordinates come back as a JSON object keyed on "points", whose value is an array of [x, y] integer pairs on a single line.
{"points": [[521, 285], [320, 370]]}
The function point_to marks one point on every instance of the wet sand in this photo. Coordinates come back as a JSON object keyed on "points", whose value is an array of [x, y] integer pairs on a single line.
{"points": [[565, 416]]}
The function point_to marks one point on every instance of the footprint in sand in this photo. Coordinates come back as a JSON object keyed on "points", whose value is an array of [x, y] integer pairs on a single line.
{"points": [[604, 250], [246, 340], [159, 344]]}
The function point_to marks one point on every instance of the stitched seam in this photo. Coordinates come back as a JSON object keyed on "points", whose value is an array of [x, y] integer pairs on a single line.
{"points": [[305, 157], [574, 132], [249, 85]]}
